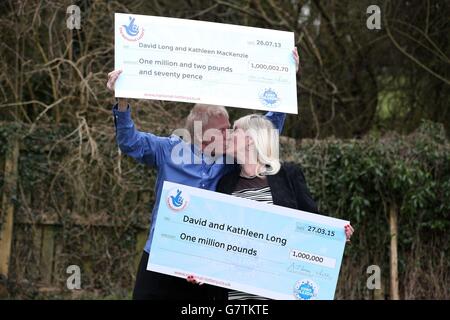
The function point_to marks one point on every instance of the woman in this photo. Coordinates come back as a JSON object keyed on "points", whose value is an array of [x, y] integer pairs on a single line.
{"points": [[255, 144]]}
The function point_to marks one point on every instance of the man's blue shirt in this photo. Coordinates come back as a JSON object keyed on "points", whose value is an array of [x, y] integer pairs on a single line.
{"points": [[203, 172]]}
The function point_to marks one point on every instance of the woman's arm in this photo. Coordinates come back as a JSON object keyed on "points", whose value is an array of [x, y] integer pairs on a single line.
{"points": [[305, 200]]}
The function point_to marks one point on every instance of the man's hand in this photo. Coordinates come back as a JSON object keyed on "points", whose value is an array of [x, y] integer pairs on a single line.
{"points": [[112, 78], [296, 58]]}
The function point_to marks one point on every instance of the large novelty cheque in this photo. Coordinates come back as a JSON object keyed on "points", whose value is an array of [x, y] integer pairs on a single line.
{"points": [[205, 62], [242, 244]]}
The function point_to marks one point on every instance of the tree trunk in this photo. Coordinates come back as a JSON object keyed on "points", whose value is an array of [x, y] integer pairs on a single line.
{"points": [[7, 209], [394, 253]]}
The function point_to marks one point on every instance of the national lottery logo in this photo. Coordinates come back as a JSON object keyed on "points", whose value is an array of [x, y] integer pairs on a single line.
{"points": [[131, 31], [305, 290], [269, 97], [177, 199]]}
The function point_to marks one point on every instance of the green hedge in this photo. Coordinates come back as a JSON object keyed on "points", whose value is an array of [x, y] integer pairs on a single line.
{"points": [[360, 180]]}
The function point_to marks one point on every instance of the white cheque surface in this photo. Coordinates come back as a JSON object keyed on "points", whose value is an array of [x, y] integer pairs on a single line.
{"points": [[205, 62], [246, 245]]}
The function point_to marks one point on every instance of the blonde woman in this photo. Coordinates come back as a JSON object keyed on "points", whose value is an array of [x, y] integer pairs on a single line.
{"points": [[255, 145]]}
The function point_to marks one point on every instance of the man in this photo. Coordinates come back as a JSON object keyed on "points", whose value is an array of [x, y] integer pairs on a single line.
{"points": [[202, 170]]}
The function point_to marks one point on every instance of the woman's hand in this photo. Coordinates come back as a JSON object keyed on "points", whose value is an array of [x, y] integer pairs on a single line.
{"points": [[192, 280], [296, 58], [348, 232]]}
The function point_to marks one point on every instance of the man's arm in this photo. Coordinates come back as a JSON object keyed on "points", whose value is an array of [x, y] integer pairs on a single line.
{"points": [[143, 147], [277, 119]]}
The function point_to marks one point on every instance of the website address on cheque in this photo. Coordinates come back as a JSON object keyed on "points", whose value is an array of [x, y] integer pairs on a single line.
{"points": [[204, 279], [171, 96]]}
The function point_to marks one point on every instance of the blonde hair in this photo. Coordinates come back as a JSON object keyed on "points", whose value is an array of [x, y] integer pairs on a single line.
{"points": [[266, 140], [203, 112]]}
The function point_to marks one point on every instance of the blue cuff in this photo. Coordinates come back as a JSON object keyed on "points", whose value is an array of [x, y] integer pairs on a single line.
{"points": [[122, 119], [277, 118]]}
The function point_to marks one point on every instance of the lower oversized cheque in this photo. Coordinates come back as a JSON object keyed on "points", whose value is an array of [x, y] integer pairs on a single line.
{"points": [[241, 244]]}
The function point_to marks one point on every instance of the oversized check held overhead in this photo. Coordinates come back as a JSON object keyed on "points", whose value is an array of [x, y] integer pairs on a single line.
{"points": [[205, 62], [246, 245]]}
